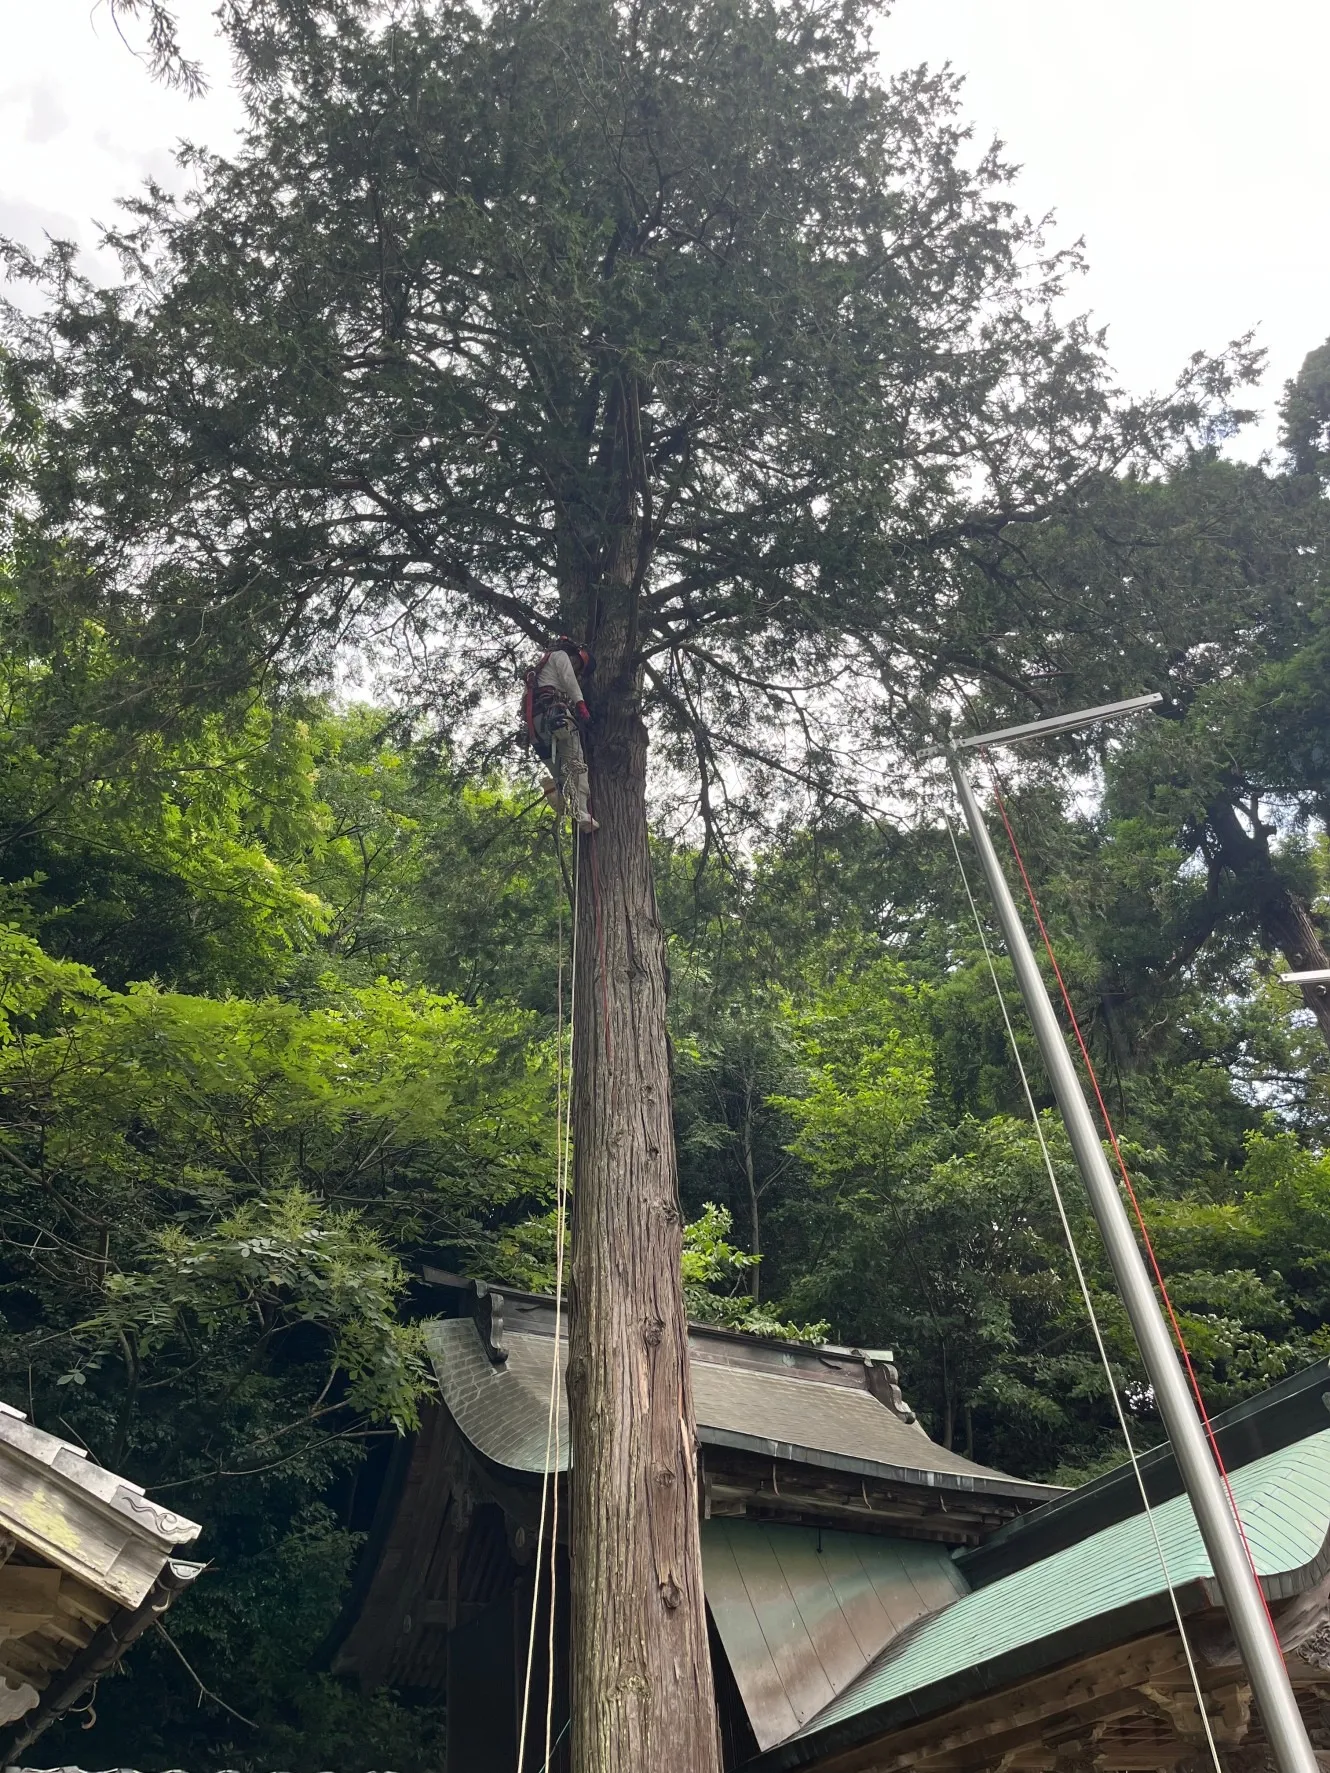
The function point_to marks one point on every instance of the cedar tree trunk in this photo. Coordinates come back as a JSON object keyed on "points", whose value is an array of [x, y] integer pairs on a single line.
{"points": [[1286, 922], [642, 1699], [1289, 927]]}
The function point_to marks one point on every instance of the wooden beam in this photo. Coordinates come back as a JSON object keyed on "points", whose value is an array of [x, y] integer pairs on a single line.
{"points": [[85, 1604], [743, 1482], [1066, 1690], [28, 1590], [1005, 1747], [1129, 1710], [73, 1678], [1228, 1709]]}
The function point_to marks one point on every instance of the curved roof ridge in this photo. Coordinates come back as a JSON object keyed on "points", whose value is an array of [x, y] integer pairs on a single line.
{"points": [[502, 1408]]}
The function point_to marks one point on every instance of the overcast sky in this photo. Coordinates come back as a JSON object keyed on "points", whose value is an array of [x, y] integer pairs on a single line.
{"points": [[1184, 139]]}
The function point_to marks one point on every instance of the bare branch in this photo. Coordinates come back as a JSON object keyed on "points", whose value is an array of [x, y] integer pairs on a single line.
{"points": [[165, 59]]}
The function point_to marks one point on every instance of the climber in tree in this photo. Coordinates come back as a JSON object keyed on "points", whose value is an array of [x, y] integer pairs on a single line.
{"points": [[554, 712]]}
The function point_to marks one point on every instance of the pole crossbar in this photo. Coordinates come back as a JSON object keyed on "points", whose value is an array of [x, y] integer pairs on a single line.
{"points": [[1317, 976], [1220, 1531], [1058, 723]]}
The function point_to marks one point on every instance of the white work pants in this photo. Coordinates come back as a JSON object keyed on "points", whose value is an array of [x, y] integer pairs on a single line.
{"points": [[570, 770]]}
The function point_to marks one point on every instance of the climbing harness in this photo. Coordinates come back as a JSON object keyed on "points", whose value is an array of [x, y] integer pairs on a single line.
{"points": [[542, 706], [554, 712], [536, 700]]}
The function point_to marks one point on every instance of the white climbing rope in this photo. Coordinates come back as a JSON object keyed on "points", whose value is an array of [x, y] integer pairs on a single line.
{"points": [[549, 1486], [1088, 1302], [563, 1168]]}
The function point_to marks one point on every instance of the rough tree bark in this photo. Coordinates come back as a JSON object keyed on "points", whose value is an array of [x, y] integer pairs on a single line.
{"points": [[1289, 927], [642, 1695], [1285, 921]]}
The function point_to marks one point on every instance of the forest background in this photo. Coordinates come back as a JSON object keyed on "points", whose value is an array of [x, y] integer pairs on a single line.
{"points": [[280, 978]]}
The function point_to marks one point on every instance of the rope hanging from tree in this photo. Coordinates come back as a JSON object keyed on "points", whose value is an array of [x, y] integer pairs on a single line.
{"points": [[1128, 1185], [549, 1486]]}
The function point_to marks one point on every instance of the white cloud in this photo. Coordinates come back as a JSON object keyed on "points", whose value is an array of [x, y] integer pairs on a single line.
{"points": [[47, 117], [82, 124], [1184, 139]]}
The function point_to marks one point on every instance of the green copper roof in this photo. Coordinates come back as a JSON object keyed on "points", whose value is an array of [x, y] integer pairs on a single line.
{"points": [[803, 1611], [1285, 1504]]}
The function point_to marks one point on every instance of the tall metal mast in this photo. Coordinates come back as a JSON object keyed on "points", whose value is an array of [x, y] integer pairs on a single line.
{"points": [[1247, 1614]]}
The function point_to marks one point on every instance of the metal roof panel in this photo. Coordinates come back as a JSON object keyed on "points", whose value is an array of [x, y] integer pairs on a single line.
{"points": [[503, 1409], [802, 1418], [802, 1611], [1285, 1504]]}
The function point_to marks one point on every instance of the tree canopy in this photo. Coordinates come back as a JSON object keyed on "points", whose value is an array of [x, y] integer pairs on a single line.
{"points": [[496, 308]]}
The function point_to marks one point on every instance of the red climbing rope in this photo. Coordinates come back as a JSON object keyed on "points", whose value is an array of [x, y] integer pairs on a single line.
{"points": [[1125, 1173]]}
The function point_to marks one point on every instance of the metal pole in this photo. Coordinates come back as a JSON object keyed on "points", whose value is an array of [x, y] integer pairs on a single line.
{"points": [[1228, 1557]]}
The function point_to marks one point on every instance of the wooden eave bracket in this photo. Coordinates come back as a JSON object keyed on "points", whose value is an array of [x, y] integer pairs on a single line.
{"points": [[487, 1312], [103, 1651]]}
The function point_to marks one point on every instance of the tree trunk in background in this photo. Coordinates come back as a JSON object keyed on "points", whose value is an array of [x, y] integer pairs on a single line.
{"points": [[642, 1698], [754, 1214], [1289, 927], [1285, 920]]}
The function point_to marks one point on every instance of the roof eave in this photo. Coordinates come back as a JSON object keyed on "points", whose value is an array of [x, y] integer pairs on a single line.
{"points": [[83, 1519], [105, 1651], [1070, 1644], [981, 1680], [915, 1477], [1288, 1412]]}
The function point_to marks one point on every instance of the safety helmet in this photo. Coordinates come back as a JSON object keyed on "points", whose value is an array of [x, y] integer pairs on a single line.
{"points": [[579, 654]]}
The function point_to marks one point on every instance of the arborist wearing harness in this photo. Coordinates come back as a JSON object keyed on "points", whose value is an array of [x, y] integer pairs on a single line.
{"points": [[553, 713]]}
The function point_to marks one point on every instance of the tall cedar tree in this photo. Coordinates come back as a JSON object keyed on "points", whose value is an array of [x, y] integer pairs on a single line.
{"points": [[670, 326]]}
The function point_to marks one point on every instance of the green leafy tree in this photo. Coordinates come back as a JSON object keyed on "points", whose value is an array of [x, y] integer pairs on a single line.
{"points": [[869, 1079], [427, 872], [1250, 1265], [144, 831], [1307, 415], [728, 1070], [958, 1257], [713, 1274], [204, 1206], [944, 1244]]}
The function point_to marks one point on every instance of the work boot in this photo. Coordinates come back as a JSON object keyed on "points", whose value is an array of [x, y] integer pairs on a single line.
{"points": [[587, 824], [553, 793]]}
